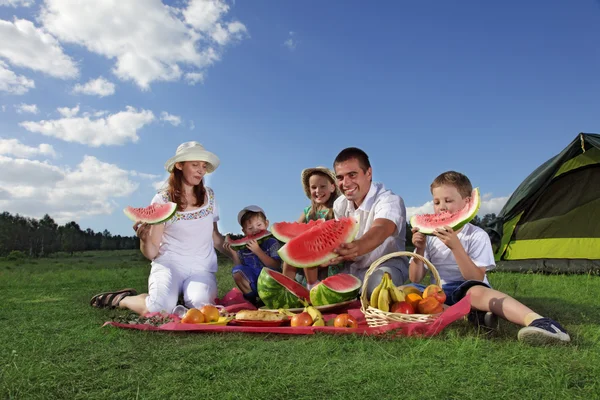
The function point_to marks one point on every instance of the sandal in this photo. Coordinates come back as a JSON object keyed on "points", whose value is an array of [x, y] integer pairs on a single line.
{"points": [[111, 299]]}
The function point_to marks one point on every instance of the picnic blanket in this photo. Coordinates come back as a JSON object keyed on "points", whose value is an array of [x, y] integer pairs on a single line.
{"points": [[234, 301]]}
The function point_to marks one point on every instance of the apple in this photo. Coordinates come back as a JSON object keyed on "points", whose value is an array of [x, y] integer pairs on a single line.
{"points": [[345, 321], [402, 307], [302, 319], [436, 292]]}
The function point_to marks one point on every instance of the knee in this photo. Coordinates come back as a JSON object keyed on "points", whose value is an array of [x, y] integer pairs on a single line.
{"points": [[159, 304], [202, 295], [477, 291]]}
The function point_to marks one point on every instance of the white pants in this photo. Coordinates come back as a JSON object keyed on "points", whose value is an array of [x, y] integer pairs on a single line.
{"points": [[165, 283]]}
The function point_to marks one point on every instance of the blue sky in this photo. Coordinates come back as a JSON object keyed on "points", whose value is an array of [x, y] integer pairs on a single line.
{"points": [[96, 97]]}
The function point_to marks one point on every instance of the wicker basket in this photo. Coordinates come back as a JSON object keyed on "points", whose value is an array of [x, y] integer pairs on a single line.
{"points": [[376, 317]]}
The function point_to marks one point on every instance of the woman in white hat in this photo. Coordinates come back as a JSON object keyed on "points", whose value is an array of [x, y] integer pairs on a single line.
{"points": [[319, 186], [182, 250]]}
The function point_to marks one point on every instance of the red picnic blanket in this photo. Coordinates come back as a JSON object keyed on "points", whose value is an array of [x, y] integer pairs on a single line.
{"points": [[234, 301]]}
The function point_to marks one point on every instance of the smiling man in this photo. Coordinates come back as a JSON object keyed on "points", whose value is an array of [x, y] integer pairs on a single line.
{"points": [[381, 215]]}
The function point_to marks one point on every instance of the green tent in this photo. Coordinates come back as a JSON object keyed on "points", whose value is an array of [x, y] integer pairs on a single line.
{"points": [[551, 222]]}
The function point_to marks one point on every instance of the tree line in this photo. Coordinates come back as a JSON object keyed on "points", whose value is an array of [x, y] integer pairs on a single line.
{"points": [[39, 238]]}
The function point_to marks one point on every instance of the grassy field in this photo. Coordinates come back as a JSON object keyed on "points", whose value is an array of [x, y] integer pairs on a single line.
{"points": [[53, 346]]}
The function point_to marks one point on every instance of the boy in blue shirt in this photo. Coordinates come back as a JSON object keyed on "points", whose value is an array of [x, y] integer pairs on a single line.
{"points": [[462, 257]]}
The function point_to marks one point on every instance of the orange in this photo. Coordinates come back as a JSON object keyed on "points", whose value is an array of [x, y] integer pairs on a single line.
{"points": [[413, 299], [193, 316], [211, 313]]}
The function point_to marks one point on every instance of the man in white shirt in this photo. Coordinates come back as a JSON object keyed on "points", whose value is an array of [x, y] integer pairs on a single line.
{"points": [[382, 219]]}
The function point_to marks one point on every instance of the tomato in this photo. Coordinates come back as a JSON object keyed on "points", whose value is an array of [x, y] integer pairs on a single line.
{"points": [[436, 292], [402, 307], [302, 319], [345, 321]]}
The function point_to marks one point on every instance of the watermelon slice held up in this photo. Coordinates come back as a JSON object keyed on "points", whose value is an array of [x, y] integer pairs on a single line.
{"points": [[278, 291], [315, 246], [427, 223], [286, 231], [153, 214], [238, 242], [335, 289]]}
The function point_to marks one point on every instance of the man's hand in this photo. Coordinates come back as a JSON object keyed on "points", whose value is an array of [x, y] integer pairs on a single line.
{"points": [[448, 236]]}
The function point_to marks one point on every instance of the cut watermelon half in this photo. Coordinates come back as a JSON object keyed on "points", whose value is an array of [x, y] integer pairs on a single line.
{"points": [[238, 242], [278, 291], [335, 289], [153, 214], [315, 246], [428, 223], [286, 231]]}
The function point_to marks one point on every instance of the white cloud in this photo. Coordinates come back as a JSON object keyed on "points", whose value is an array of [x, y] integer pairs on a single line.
{"points": [[97, 87], [489, 205], [35, 188], [148, 40], [17, 3], [27, 108], [144, 175], [174, 120], [24, 45], [194, 77], [68, 112], [115, 129], [15, 148], [192, 126], [291, 41], [13, 83]]}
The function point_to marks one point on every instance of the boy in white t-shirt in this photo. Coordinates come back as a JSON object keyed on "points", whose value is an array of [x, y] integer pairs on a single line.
{"points": [[462, 257]]}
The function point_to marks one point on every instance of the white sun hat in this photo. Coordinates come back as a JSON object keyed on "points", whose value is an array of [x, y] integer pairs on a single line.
{"points": [[193, 151], [246, 209], [307, 172]]}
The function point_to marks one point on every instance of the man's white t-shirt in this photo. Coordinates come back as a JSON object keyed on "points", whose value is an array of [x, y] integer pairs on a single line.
{"points": [[187, 239], [379, 203], [477, 245]]}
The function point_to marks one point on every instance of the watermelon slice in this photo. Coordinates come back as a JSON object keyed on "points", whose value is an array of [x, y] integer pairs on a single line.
{"points": [[286, 231], [278, 291], [335, 289], [427, 223], [238, 242], [153, 214], [315, 246]]}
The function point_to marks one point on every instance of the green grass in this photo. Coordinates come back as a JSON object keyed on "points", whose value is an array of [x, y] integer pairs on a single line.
{"points": [[53, 346]]}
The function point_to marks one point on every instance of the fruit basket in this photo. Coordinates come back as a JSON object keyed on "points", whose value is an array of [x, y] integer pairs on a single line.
{"points": [[377, 317]]}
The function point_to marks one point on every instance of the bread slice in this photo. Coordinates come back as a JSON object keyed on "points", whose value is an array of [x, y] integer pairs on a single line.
{"points": [[259, 315]]}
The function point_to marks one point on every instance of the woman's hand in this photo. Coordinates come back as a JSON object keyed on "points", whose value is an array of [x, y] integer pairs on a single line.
{"points": [[142, 230]]}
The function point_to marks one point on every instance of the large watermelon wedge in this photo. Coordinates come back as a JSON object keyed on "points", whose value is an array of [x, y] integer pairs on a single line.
{"points": [[427, 223], [153, 214], [238, 242], [278, 291], [335, 289], [286, 231], [315, 246]]}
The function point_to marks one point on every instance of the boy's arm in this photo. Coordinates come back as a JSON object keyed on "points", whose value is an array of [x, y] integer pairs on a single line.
{"points": [[467, 267], [416, 269], [266, 259]]}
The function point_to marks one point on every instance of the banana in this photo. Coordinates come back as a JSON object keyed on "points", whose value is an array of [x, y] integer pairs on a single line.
{"points": [[315, 315], [285, 311], [396, 295], [383, 302], [375, 294]]}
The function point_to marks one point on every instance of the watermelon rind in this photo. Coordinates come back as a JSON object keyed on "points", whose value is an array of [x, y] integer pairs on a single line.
{"points": [[322, 294], [286, 231], [153, 214], [313, 247], [278, 291], [238, 242], [457, 219]]}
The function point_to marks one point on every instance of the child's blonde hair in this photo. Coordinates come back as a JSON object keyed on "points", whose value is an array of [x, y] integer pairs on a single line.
{"points": [[329, 204], [456, 179]]}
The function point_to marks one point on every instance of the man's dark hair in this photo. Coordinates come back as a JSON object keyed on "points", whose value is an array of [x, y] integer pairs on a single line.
{"points": [[353, 152]]}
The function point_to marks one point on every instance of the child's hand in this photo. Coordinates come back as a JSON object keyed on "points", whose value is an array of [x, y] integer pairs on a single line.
{"points": [[253, 246], [418, 239], [448, 236], [227, 247]]}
